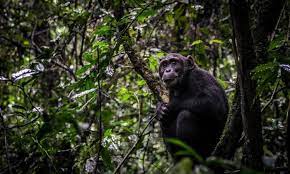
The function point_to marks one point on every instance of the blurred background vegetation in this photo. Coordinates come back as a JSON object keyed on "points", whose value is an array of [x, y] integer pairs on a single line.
{"points": [[72, 102]]}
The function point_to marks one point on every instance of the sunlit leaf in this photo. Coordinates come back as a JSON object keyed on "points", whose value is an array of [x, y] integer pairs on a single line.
{"points": [[83, 93], [285, 67], [124, 94], [23, 74], [145, 14], [3, 78], [102, 45], [141, 82], [39, 67], [153, 63], [216, 41], [197, 42]]}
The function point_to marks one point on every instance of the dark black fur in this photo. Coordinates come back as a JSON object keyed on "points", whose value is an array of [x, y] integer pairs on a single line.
{"points": [[197, 111]]}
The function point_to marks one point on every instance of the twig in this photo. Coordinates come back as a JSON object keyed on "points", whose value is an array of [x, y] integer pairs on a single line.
{"points": [[277, 24], [25, 124], [272, 97], [45, 151], [134, 146], [31, 103], [5, 142], [144, 155], [100, 110], [70, 71]]}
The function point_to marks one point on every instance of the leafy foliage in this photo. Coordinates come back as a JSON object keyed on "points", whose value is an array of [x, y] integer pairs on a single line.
{"points": [[71, 102]]}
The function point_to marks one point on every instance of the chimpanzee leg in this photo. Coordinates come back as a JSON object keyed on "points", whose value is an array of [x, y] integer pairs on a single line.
{"points": [[190, 131]]}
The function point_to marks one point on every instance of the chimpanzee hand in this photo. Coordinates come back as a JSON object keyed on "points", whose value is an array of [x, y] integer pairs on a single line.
{"points": [[161, 111]]}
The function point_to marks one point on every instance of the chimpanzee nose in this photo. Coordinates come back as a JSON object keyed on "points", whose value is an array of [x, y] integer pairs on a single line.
{"points": [[167, 70]]}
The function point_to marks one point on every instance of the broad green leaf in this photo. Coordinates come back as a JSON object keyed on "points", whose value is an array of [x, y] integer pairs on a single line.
{"points": [[186, 147], [83, 69], [153, 63], [145, 14], [88, 56], [104, 30], [102, 45]]}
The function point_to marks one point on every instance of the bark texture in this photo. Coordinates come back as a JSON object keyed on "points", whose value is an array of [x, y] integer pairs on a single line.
{"points": [[250, 104], [139, 64], [229, 140]]}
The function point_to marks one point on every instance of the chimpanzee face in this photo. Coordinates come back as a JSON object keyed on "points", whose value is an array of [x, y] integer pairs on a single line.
{"points": [[171, 70]]}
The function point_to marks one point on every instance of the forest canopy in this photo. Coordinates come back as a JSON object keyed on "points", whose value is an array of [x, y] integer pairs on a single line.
{"points": [[79, 84]]}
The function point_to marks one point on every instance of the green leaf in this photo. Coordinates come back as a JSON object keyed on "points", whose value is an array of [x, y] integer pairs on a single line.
{"points": [[83, 93], [216, 41], [102, 45], [265, 74], [108, 133], [83, 69], [224, 84], [196, 42], [103, 30], [264, 69], [170, 19], [153, 63], [187, 149], [141, 82], [145, 14], [88, 56], [26, 43], [106, 156], [276, 42], [124, 94]]}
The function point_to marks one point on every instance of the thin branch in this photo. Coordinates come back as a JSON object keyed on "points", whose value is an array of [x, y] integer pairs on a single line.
{"points": [[99, 102], [134, 146], [45, 151], [272, 97], [5, 142], [278, 21], [70, 71]]}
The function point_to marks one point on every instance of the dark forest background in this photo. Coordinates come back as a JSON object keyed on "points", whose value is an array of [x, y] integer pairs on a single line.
{"points": [[79, 83]]}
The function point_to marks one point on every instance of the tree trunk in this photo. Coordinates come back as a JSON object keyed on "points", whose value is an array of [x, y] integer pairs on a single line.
{"points": [[228, 143], [250, 104]]}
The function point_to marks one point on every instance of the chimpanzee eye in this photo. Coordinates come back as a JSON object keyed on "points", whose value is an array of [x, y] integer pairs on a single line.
{"points": [[173, 62]]}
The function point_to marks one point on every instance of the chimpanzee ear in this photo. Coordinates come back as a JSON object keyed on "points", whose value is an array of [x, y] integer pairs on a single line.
{"points": [[190, 61]]}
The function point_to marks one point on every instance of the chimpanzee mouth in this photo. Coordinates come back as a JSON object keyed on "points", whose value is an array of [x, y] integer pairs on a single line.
{"points": [[168, 80]]}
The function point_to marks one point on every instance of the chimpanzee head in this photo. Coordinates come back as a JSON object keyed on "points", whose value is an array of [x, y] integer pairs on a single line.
{"points": [[173, 68]]}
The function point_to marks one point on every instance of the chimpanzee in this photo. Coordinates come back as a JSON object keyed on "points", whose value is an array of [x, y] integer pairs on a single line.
{"points": [[197, 108]]}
